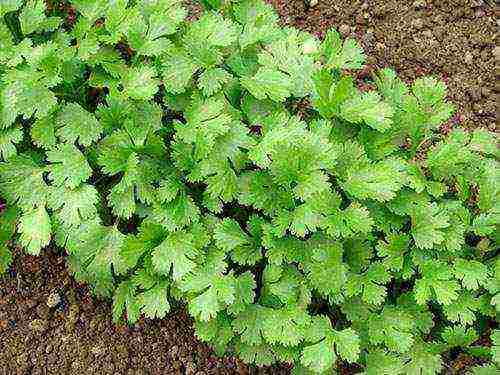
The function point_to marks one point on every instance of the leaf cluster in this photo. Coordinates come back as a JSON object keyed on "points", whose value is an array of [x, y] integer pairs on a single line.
{"points": [[165, 156]]}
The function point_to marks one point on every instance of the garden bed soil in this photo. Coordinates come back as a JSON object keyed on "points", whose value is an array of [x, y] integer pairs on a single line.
{"points": [[49, 324]]}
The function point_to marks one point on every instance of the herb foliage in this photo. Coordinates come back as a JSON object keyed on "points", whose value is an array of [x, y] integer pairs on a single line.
{"points": [[166, 158]]}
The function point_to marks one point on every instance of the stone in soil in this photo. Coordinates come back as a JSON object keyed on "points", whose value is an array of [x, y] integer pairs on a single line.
{"points": [[53, 300]]}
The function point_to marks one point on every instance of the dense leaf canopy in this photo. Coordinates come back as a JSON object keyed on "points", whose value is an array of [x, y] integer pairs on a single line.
{"points": [[169, 160]]}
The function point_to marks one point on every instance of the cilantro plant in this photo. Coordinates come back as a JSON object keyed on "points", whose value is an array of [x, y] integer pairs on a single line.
{"points": [[168, 159]]}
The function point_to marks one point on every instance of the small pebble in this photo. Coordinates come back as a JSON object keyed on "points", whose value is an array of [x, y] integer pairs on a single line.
{"points": [[468, 58], [38, 325], [313, 3], [53, 300], [439, 32], [369, 38], [344, 30], [418, 23], [96, 350], [428, 34], [380, 46], [479, 13]]}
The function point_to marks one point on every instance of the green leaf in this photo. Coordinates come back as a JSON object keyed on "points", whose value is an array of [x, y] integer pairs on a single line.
{"points": [[244, 293], [9, 6], [392, 328], [92, 9], [495, 349], [368, 108], [380, 362], [431, 96], [423, 361], [436, 283], [35, 229], [291, 54], [392, 88], [347, 344], [347, 55], [136, 183], [489, 191], [352, 221], [76, 124], [484, 370], [154, 302], [8, 221], [473, 274], [319, 357], [325, 270], [428, 222], [43, 132], [462, 309], [115, 151], [212, 80], [5, 258], [268, 83], [484, 142], [259, 20], [140, 83], [210, 289], [22, 182], [25, 94], [8, 139], [217, 331], [177, 70], [211, 30], [379, 181], [260, 355], [459, 336], [393, 251], [486, 223], [330, 95], [370, 285], [134, 247], [69, 166], [285, 326], [249, 324], [124, 299], [228, 235], [177, 213], [32, 18], [176, 253], [95, 250], [73, 206]]}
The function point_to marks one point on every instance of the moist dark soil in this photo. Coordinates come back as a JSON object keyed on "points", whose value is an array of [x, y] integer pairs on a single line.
{"points": [[49, 324]]}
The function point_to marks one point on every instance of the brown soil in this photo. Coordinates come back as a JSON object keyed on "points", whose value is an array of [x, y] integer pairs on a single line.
{"points": [[49, 324], [453, 39]]}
